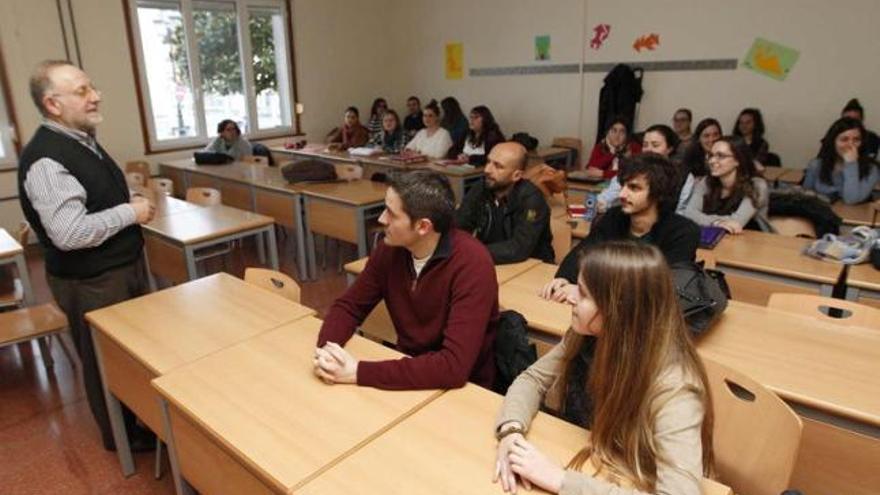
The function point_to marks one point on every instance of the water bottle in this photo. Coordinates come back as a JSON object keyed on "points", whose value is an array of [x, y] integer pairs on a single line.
{"points": [[591, 206]]}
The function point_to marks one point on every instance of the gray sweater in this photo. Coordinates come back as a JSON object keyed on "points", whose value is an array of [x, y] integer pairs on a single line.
{"points": [[746, 211], [239, 149], [845, 183]]}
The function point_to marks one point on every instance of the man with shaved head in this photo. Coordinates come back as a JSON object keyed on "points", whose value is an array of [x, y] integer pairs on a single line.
{"points": [[77, 202], [508, 214]]}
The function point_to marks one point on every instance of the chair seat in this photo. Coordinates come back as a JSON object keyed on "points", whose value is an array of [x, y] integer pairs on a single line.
{"points": [[29, 323], [12, 296]]}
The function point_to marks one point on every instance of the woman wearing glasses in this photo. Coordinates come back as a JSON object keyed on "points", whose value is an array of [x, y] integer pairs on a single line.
{"points": [[731, 195]]}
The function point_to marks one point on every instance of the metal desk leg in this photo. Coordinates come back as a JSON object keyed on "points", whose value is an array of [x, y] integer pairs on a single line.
{"points": [[299, 238], [21, 268], [190, 258], [114, 410], [311, 264], [180, 485], [272, 245], [361, 232], [261, 248]]}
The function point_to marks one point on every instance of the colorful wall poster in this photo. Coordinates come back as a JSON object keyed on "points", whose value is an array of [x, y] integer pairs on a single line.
{"points": [[646, 42], [600, 34], [542, 47], [454, 61], [771, 59]]}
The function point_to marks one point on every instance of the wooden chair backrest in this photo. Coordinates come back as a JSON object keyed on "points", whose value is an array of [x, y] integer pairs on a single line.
{"points": [[163, 185], [273, 281], [23, 233], [854, 314], [793, 227], [756, 435], [561, 231], [140, 166], [135, 179], [203, 196]]}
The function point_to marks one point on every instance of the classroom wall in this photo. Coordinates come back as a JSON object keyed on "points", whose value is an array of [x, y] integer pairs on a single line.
{"points": [[838, 41], [340, 48]]}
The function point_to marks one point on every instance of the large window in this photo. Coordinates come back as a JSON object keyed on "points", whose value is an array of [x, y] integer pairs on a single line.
{"points": [[202, 61]]}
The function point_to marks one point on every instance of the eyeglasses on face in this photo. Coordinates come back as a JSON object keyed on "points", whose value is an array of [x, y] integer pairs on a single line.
{"points": [[718, 156]]}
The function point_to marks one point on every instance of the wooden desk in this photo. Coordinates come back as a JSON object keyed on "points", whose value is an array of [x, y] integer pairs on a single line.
{"points": [[757, 264], [829, 373], [254, 419], [169, 205], [417, 456], [503, 273], [11, 252], [580, 229], [792, 176], [317, 150], [548, 320], [860, 214], [577, 187], [772, 174], [863, 281], [340, 210], [171, 241], [461, 177], [247, 186], [552, 154], [140, 339]]}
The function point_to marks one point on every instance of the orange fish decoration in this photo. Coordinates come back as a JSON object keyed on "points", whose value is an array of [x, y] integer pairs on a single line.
{"points": [[648, 42]]}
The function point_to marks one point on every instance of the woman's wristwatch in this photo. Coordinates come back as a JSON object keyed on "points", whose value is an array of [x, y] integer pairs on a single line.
{"points": [[503, 432]]}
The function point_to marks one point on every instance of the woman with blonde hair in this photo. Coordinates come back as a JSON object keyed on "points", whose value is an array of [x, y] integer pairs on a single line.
{"points": [[627, 371]]}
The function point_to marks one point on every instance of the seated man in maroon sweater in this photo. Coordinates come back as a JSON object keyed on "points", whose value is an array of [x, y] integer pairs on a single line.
{"points": [[439, 285]]}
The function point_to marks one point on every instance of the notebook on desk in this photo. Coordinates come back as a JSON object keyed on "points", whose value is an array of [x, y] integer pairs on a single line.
{"points": [[711, 236]]}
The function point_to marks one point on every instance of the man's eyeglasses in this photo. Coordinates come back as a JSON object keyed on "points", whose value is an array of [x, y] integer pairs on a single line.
{"points": [[82, 92]]}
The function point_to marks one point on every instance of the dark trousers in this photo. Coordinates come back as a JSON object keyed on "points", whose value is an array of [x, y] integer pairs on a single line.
{"points": [[76, 297]]}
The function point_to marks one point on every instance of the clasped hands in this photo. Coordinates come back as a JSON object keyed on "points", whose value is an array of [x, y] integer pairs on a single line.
{"points": [[333, 364]]}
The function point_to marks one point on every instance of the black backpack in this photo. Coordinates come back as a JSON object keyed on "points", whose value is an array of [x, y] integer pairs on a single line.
{"points": [[309, 170], [702, 294], [513, 351]]}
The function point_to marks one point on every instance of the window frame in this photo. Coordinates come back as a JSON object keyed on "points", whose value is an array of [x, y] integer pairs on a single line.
{"points": [[152, 144], [8, 123]]}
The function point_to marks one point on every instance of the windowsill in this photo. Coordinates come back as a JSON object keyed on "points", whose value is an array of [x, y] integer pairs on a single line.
{"points": [[200, 146]]}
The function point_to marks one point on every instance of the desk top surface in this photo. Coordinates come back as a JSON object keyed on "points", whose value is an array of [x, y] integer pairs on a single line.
{"points": [[356, 192], [502, 272], [521, 294], [864, 276], [417, 456], [260, 400], [202, 224], [860, 214], [318, 150], [774, 254], [8, 246], [831, 367], [175, 326]]}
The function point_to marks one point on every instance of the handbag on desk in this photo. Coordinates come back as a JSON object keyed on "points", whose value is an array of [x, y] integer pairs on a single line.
{"points": [[702, 294]]}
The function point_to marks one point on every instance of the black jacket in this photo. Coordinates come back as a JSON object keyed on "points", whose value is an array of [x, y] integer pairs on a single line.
{"points": [[618, 97], [676, 236], [514, 230]]}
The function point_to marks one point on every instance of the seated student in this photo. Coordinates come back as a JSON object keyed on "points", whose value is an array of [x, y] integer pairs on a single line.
{"points": [[660, 139], [412, 123], [483, 135], [351, 135], [681, 122], [645, 398], [506, 212], [374, 126], [606, 154], [871, 141], [455, 122], [433, 141], [842, 170], [750, 127], [646, 213], [732, 195], [229, 141], [708, 131], [439, 285], [391, 139]]}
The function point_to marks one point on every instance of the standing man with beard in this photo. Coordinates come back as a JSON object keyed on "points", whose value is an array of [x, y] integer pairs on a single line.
{"points": [[508, 214], [77, 201]]}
